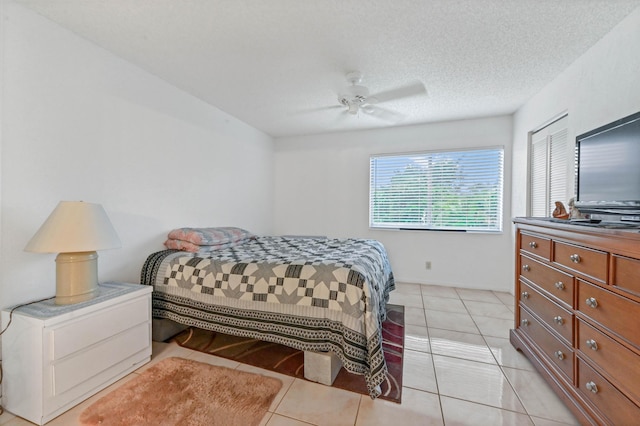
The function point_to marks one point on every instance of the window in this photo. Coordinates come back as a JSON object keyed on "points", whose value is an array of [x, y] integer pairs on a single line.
{"points": [[440, 190], [548, 168]]}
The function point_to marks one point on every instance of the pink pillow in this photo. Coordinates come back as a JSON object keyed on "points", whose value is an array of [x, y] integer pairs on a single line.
{"points": [[210, 236]]}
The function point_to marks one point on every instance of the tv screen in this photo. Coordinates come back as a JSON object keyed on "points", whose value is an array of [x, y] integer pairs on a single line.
{"points": [[608, 173]]}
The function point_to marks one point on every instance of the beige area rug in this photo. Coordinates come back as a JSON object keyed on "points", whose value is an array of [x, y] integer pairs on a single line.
{"points": [[178, 391]]}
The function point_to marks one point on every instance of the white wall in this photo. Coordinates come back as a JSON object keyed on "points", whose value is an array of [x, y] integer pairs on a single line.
{"points": [[322, 188], [81, 124], [600, 87]]}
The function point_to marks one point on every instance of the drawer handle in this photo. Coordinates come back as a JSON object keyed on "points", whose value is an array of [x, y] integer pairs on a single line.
{"points": [[526, 268], [559, 285], [592, 344], [558, 320], [592, 302], [525, 295], [559, 355], [575, 258], [592, 387], [533, 244], [524, 322]]}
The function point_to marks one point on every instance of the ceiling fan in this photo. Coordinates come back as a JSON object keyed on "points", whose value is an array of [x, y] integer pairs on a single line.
{"points": [[356, 98]]}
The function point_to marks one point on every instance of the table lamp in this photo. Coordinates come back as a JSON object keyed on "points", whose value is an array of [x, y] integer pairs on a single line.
{"points": [[75, 230]]}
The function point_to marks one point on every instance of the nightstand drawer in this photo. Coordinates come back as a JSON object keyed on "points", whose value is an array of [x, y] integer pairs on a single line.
{"points": [[100, 357], [592, 263], [93, 328], [551, 280]]}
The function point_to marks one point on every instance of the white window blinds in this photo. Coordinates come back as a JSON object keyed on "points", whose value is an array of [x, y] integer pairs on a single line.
{"points": [[548, 168], [442, 190]]}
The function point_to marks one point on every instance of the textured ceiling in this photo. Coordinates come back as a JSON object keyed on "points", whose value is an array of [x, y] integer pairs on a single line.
{"points": [[275, 64]]}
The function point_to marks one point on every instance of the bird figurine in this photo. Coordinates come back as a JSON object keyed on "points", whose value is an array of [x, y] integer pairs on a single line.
{"points": [[560, 212]]}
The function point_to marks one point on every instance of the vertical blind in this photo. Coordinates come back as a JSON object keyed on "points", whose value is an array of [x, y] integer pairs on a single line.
{"points": [[440, 190], [538, 168], [548, 168]]}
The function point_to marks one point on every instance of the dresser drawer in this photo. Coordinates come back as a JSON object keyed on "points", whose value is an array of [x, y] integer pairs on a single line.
{"points": [[626, 274], [592, 263], [554, 316], [615, 313], [557, 353], [553, 281], [535, 244], [611, 357], [605, 397], [91, 329]]}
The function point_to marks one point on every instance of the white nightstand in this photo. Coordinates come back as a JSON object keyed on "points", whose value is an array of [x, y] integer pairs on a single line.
{"points": [[54, 357]]}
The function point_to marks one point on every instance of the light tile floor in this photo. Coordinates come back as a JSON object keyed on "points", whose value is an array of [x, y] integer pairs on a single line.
{"points": [[459, 369]]}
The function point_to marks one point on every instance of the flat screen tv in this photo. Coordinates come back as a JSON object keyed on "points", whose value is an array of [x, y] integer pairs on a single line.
{"points": [[608, 170]]}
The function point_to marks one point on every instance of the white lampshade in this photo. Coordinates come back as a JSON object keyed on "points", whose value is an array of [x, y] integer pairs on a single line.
{"points": [[75, 229], [72, 227]]}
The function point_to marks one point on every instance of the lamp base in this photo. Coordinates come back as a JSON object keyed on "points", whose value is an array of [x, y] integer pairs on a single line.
{"points": [[76, 277]]}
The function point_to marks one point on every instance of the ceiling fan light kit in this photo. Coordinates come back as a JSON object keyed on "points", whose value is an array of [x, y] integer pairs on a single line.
{"points": [[355, 95]]}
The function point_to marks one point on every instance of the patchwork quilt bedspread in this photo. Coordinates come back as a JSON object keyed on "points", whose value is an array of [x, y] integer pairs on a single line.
{"points": [[308, 293]]}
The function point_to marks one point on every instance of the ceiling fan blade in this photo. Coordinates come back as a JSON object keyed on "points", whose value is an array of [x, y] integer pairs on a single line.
{"points": [[383, 113], [412, 89], [316, 109]]}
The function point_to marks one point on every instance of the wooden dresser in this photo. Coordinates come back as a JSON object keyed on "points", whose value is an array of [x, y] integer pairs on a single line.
{"points": [[578, 315]]}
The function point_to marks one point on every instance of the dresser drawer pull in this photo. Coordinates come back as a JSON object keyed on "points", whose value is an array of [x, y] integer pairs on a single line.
{"points": [[575, 258], [559, 285], [592, 344], [592, 302], [526, 268], [533, 244], [525, 294], [524, 322], [592, 387], [558, 320], [559, 355]]}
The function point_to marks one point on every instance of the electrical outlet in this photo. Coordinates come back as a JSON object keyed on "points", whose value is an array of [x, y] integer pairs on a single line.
{"points": [[427, 264]]}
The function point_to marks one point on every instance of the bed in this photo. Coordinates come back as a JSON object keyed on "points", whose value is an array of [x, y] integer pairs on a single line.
{"points": [[312, 294]]}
